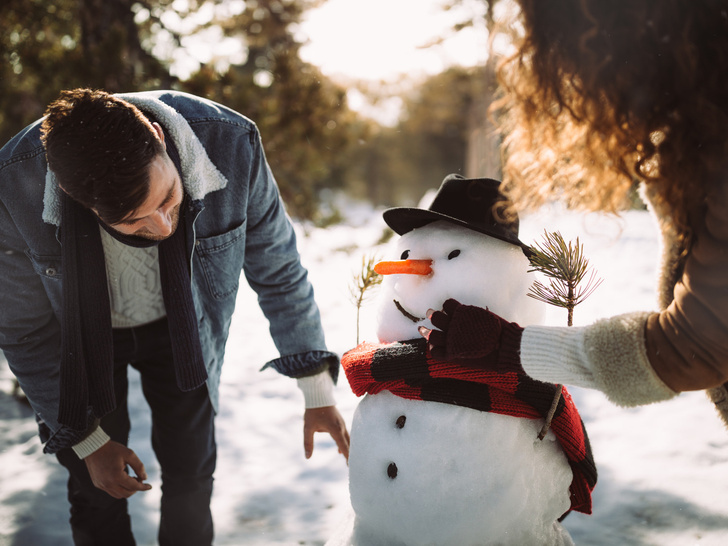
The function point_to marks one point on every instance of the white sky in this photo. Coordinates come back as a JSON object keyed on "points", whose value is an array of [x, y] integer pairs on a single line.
{"points": [[381, 39], [357, 39], [349, 40]]}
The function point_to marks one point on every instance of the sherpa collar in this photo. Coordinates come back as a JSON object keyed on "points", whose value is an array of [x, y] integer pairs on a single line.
{"points": [[199, 174]]}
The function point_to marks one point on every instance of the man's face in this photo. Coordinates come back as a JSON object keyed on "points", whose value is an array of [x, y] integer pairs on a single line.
{"points": [[157, 218]]}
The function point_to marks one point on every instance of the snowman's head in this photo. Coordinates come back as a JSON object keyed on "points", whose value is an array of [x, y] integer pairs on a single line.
{"points": [[442, 260]]}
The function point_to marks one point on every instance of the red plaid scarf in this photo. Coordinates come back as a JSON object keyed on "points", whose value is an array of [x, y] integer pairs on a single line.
{"points": [[406, 369]]}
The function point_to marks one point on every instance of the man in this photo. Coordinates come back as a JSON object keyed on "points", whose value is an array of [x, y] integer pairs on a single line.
{"points": [[125, 223]]}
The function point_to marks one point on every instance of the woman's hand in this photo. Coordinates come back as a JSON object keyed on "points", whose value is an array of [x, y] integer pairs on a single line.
{"points": [[474, 336]]}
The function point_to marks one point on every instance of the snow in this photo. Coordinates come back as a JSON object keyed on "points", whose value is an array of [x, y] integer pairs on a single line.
{"points": [[663, 469]]}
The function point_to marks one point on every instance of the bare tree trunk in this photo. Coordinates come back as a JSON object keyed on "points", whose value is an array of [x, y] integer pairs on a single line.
{"points": [[112, 49], [483, 157]]}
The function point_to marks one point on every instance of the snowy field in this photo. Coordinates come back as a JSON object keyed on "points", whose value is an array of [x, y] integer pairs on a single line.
{"points": [[663, 469]]}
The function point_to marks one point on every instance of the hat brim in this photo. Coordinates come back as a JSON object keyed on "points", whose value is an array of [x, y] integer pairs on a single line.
{"points": [[404, 219]]}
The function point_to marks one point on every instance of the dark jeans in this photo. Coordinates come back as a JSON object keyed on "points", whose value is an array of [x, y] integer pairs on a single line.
{"points": [[183, 440]]}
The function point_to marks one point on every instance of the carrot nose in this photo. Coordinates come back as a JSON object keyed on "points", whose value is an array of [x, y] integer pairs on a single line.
{"points": [[411, 267]]}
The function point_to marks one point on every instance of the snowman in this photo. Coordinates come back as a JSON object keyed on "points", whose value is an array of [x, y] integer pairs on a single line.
{"points": [[442, 454]]}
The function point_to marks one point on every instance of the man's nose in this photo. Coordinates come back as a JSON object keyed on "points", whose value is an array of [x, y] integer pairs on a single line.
{"points": [[162, 223]]}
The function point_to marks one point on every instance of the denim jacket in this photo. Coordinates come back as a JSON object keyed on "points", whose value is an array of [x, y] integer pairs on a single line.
{"points": [[238, 224]]}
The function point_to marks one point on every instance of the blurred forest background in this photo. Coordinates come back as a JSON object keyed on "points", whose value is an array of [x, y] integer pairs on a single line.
{"points": [[316, 144]]}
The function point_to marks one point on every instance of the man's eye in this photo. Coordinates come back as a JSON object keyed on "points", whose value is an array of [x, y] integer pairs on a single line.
{"points": [[453, 254], [404, 255]]}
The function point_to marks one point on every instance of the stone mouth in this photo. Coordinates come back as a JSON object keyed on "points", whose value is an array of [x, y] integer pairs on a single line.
{"points": [[406, 313]]}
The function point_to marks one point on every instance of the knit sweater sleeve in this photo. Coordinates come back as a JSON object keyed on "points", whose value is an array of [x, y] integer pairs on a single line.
{"points": [[608, 355], [91, 443], [645, 357], [318, 390]]}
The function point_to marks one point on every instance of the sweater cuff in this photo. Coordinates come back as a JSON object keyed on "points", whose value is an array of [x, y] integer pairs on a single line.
{"points": [[91, 443], [318, 390], [616, 349]]}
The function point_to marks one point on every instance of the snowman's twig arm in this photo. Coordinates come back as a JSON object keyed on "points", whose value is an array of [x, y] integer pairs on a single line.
{"points": [[551, 413]]}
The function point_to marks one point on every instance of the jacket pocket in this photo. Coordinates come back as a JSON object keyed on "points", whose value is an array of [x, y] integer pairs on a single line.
{"points": [[221, 260], [48, 267]]}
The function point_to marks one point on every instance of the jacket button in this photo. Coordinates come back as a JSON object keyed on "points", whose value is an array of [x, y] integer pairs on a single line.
{"points": [[51, 271], [400, 421]]}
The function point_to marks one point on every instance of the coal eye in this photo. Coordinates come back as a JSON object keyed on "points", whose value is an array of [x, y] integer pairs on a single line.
{"points": [[453, 254], [404, 255]]}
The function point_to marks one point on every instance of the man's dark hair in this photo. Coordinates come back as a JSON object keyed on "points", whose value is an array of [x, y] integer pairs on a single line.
{"points": [[100, 148]]}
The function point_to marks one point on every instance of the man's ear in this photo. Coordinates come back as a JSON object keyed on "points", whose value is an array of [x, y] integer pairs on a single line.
{"points": [[159, 131]]}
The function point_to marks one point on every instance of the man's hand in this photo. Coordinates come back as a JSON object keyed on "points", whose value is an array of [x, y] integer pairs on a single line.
{"points": [[107, 467], [327, 419]]}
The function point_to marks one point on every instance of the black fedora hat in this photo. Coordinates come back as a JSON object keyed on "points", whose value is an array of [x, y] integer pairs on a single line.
{"points": [[467, 202]]}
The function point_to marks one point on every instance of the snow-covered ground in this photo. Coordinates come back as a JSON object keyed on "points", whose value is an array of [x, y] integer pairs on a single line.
{"points": [[663, 469]]}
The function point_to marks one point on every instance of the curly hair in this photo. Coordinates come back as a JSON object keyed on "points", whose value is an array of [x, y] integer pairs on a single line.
{"points": [[601, 95], [100, 148]]}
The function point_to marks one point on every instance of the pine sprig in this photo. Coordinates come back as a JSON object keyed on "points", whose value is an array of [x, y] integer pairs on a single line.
{"points": [[363, 283], [565, 267]]}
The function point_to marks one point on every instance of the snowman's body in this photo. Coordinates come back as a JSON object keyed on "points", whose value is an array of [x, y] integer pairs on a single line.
{"points": [[425, 473]]}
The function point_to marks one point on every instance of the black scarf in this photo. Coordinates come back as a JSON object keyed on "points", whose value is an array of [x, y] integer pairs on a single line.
{"points": [[87, 352]]}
